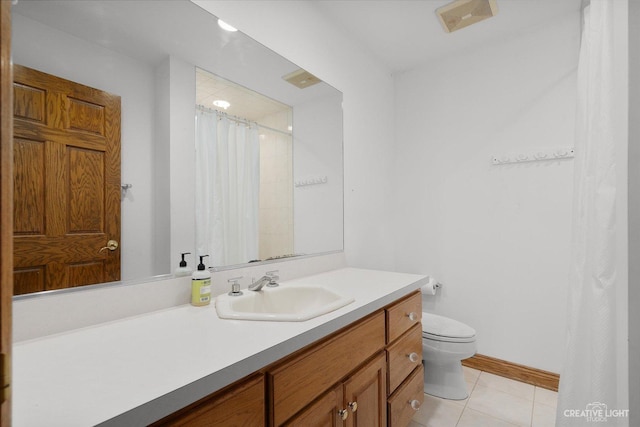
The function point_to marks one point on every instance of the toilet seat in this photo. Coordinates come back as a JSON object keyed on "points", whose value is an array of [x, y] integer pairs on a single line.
{"points": [[440, 328]]}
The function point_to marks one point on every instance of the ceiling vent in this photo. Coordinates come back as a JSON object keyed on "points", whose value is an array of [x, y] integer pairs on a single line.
{"points": [[301, 78], [462, 13]]}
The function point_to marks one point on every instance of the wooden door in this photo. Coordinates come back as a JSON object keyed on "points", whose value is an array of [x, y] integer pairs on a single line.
{"points": [[66, 183], [6, 212], [365, 394], [324, 412]]}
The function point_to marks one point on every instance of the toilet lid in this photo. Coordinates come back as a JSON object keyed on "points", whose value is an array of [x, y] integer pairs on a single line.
{"points": [[434, 326]]}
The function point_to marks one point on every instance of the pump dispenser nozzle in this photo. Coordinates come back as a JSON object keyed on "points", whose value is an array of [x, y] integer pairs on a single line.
{"points": [[183, 270], [201, 265], [183, 263]]}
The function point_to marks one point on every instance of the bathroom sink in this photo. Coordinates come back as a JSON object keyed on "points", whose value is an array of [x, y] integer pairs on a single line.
{"points": [[283, 304]]}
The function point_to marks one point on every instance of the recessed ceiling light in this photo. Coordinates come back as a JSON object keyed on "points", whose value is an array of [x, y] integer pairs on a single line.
{"points": [[221, 103], [226, 26]]}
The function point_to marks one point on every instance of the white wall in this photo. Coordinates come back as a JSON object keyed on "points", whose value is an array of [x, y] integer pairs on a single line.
{"points": [[634, 211], [317, 146], [368, 123], [182, 134], [497, 237], [58, 53]]}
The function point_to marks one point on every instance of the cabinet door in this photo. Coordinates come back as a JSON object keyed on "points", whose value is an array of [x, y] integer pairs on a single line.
{"points": [[324, 412], [365, 395]]}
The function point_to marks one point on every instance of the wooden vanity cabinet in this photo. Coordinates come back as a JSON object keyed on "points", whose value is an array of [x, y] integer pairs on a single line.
{"points": [[375, 364], [369, 374]]}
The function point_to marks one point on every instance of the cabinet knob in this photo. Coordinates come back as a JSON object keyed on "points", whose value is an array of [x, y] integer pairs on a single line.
{"points": [[415, 404], [353, 406], [413, 316], [413, 357], [343, 414]]}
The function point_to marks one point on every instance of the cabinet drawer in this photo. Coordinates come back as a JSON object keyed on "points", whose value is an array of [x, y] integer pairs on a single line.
{"points": [[241, 405], [403, 315], [400, 403], [400, 354], [300, 380]]}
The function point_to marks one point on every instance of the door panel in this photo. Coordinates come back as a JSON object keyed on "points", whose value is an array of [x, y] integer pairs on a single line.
{"points": [[66, 183], [322, 413], [86, 190], [28, 165], [367, 389]]}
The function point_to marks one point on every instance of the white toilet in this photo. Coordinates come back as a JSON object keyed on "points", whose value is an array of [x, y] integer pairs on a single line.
{"points": [[445, 342]]}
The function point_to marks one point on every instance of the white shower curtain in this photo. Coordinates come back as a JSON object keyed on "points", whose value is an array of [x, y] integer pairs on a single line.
{"points": [[227, 188], [588, 377]]}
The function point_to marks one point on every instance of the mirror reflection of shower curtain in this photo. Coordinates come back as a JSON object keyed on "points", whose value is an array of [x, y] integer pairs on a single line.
{"points": [[227, 188]]}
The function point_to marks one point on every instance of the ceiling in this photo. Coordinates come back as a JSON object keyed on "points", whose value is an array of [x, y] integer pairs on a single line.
{"points": [[404, 34], [245, 103]]}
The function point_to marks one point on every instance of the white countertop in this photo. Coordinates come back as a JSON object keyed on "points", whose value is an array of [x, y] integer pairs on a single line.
{"points": [[139, 369]]}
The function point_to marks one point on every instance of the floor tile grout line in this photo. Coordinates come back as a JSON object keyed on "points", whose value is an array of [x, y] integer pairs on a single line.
{"points": [[466, 402], [533, 408]]}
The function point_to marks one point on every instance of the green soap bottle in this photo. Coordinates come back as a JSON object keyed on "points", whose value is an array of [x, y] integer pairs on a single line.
{"points": [[201, 285]]}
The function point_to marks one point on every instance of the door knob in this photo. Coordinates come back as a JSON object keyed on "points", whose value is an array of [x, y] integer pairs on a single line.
{"points": [[413, 357], [112, 245], [343, 414]]}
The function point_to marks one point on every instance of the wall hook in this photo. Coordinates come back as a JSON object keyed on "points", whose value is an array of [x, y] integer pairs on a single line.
{"points": [[125, 188]]}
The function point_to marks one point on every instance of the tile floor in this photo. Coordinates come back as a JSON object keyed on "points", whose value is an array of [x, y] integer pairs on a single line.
{"points": [[493, 402]]}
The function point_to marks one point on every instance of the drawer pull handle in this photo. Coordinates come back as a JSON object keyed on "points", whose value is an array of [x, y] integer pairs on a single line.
{"points": [[413, 357], [412, 316], [343, 414], [415, 404], [353, 406]]}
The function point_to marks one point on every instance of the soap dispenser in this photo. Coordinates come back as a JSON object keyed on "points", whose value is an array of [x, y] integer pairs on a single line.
{"points": [[201, 285], [183, 270]]}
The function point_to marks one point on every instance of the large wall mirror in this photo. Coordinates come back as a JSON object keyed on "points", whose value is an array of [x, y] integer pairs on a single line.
{"points": [[227, 149]]}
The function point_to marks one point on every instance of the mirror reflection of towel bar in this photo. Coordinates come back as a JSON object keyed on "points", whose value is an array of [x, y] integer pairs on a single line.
{"points": [[125, 188], [535, 156], [311, 181]]}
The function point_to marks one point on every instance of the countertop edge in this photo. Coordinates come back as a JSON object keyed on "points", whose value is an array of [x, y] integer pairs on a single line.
{"points": [[169, 403]]}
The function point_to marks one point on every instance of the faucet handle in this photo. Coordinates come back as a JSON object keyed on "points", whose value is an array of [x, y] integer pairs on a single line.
{"points": [[273, 278], [235, 286]]}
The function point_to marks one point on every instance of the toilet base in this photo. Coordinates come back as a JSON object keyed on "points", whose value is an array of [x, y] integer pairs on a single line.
{"points": [[445, 379]]}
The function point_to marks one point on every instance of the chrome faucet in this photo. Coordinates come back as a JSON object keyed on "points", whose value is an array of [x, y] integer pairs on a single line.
{"points": [[270, 279]]}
